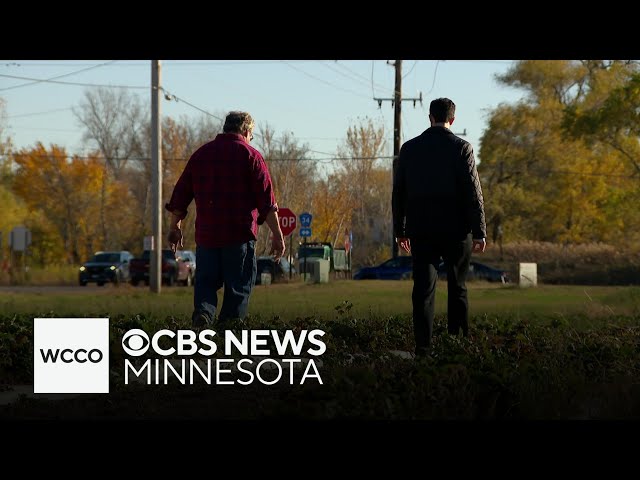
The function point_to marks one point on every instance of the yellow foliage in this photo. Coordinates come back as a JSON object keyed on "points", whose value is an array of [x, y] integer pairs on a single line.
{"points": [[67, 190], [541, 183]]}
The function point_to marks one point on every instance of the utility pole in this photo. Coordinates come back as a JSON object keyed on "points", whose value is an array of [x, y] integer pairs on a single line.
{"points": [[396, 102], [155, 263]]}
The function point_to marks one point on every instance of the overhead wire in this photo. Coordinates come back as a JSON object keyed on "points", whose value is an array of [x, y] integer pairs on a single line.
{"points": [[79, 84], [411, 69], [34, 82], [355, 79], [324, 81], [166, 62], [171, 96], [21, 115], [356, 75]]}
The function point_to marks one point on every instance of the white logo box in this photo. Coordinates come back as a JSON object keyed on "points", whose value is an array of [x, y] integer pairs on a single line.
{"points": [[71, 355]]}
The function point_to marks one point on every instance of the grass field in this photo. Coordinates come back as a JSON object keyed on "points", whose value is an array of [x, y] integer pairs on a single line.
{"points": [[368, 299], [551, 352]]}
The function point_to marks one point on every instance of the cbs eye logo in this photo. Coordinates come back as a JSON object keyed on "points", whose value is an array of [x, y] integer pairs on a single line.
{"points": [[135, 342]]}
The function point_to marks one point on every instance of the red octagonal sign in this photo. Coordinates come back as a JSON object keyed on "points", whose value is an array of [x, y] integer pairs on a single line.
{"points": [[287, 221]]}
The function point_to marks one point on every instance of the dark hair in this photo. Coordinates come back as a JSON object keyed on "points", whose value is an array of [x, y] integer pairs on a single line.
{"points": [[238, 122], [442, 110]]}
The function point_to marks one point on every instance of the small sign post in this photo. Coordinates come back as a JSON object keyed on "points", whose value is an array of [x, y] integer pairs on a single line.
{"points": [[287, 221]]}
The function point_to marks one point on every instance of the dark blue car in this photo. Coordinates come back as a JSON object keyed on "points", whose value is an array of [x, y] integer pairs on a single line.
{"points": [[399, 268], [478, 271]]}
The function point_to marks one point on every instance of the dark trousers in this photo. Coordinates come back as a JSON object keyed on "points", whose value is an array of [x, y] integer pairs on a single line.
{"points": [[426, 253], [235, 268]]}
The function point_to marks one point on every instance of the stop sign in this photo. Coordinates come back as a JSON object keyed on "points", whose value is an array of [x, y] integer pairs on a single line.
{"points": [[287, 221]]}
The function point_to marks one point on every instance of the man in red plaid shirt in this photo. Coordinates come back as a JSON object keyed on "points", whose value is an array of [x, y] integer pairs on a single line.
{"points": [[233, 192]]}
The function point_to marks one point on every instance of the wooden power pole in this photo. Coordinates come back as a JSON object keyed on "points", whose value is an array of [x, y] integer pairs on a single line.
{"points": [[155, 263], [396, 102]]}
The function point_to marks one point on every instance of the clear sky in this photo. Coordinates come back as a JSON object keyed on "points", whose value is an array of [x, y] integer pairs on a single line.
{"points": [[317, 100]]}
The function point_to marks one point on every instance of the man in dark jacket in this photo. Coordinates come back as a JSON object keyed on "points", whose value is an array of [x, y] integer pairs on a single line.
{"points": [[438, 211]]}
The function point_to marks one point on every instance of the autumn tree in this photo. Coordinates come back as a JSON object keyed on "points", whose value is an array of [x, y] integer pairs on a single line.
{"points": [[367, 179], [14, 213], [47, 247], [292, 172], [332, 209], [609, 122], [541, 183], [113, 119], [5, 147], [66, 190]]}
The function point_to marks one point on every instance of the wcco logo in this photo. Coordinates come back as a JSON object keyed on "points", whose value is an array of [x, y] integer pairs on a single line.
{"points": [[71, 355], [81, 355]]}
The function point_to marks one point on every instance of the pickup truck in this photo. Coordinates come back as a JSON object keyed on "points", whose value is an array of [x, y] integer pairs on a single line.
{"points": [[173, 271], [313, 251]]}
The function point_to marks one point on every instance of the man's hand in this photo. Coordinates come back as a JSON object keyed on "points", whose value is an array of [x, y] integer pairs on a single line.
{"points": [[277, 248], [479, 244], [404, 244], [175, 239]]}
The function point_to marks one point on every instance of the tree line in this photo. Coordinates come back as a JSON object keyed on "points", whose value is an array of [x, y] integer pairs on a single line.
{"points": [[78, 204], [562, 165]]}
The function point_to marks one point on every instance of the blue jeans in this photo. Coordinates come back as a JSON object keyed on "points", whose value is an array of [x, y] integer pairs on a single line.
{"points": [[234, 267]]}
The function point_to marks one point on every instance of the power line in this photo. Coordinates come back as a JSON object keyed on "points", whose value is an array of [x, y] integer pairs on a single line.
{"points": [[170, 96], [355, 79], [373, 92], [341, 65], [324, 81], [435, 73], [57, 77], [404, 119], [184, 159], [78, 84], [320, 138], [39, 113], [497, 62], [411, 69], [323, 153], [45, 129], [146, 64]]}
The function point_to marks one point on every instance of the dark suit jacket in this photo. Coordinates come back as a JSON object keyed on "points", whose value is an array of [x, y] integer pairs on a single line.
{"points": [[436, 188]]}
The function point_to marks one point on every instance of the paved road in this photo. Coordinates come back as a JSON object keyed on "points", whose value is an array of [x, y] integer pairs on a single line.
{"points": [[91, 289]]}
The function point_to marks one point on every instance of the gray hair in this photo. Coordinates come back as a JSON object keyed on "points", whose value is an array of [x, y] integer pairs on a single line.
{"points": [[238, 122]]}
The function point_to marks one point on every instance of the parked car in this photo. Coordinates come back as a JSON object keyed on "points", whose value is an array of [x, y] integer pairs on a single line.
{"points": [[399, 268], [188, 257], [105, 267], [173, 271], [279, 271], [478, 271]]}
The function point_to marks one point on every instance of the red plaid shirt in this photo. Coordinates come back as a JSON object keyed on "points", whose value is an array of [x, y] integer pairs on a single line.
{"points": [[231, 185]]}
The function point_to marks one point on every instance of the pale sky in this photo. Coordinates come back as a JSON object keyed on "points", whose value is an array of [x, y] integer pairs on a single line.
{"points": [[317, 100]]}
